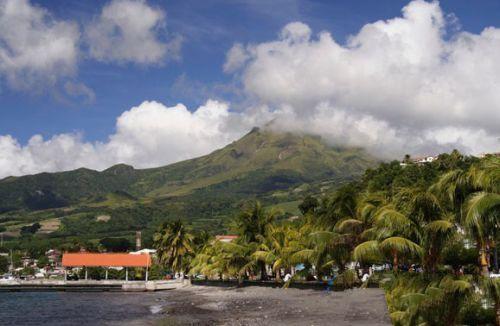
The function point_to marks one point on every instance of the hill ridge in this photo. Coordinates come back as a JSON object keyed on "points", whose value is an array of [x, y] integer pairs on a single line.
{"points": [[261, 158]]}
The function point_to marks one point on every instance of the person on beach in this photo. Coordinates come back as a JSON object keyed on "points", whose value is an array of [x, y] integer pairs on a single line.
{"points": [[329, 283]]}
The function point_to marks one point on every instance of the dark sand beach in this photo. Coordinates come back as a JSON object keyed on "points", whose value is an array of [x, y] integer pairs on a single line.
{"points": [[204, 305], [197, 305]]}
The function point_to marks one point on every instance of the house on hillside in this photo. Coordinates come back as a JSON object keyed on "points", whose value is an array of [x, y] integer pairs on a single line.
{"points": [[54, 257], [483, 155], [419, 160], [427, 159], [226, 238]]}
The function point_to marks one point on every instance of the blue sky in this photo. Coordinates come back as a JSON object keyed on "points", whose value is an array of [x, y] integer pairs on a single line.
{"points": [[208, 28], [105, 87]]}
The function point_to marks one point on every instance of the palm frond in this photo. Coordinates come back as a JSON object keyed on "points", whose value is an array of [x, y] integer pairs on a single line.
{"points": [[348, 224], [482, 212], [440, 226], [401, 245], [392, 219], [366, 250]]}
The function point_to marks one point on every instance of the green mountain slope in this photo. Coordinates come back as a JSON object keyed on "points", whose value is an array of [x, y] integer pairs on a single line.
{"points": [[277, 160], [274, 168]]}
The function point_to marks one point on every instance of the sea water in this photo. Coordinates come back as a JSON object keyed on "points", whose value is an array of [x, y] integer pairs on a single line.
{"points": [[77, 308]]}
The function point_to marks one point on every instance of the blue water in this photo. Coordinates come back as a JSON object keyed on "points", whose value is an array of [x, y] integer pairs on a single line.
{"points": [[70, 308]]}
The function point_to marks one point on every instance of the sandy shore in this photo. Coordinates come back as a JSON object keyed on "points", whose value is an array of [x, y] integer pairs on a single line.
{"points": [[204, 305]]}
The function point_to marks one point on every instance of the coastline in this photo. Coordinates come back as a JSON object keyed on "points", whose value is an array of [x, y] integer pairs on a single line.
{"points": [[47, 285], [206, 305]]}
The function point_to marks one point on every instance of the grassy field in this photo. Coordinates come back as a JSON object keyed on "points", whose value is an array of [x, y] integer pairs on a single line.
{"points": [[290, 207], [50, 225]]}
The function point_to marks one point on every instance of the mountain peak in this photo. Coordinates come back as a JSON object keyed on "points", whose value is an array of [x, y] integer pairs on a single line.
{"points": [[261, 162], [119, 169]]}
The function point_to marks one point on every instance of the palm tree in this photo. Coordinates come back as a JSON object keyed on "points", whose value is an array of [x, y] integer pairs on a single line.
{"points": [[174, 245], [252, 225], [492, 287], [431, 225], [278, 248], [254, 221], [325, 249], [342, 204], [482, 219], [234, 259], [437, 302], [390, 230], [473, 194]]}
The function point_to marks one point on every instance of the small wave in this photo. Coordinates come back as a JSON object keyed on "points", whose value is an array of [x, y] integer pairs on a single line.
{"points": [[155, 309]]}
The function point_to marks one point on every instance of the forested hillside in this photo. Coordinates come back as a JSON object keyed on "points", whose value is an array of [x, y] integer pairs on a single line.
{"points": [[277, 169]]}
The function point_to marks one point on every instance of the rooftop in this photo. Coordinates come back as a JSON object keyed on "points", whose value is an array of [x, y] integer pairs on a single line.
{"points": [[226, 238], [105, 260]]}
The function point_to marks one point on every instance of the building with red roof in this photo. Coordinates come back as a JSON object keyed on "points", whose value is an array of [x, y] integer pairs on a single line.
{"points": [[106, 260]]}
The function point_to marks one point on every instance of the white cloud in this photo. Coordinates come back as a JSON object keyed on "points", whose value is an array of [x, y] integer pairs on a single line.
{"points": [[35, 48], [152, 134], [398, 86], [404, 78], [148, 135], [39, 52], [296, 32], [235, 58], [77, 89], [130, 31]]}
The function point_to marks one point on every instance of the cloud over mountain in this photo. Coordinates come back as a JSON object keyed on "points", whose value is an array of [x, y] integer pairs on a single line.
{"points": [[148, 135], [403, 84], [410, 85]]}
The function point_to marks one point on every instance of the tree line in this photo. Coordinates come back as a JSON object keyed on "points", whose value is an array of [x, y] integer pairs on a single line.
{"points": [[434, 227]]}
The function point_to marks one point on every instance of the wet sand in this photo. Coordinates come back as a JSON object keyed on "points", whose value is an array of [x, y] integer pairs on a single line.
{"points": [[205, 305]]}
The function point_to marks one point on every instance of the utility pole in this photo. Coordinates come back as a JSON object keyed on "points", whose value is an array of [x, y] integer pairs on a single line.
{"points": [[11, 262]]}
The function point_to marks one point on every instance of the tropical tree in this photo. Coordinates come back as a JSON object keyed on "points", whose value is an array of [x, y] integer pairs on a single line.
{"points": [[203, 262], [491, 286], [325, 249], [254, 221], [252, 225], [416, 301], [174, 245], [473, 195], [342, 204], [235, 259], [277, 249], [483, 220], [309, 205], [225, 259], [432, 226], [390, 231]]}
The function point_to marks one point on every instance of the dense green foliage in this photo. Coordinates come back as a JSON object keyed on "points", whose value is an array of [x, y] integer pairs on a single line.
{"points": [[116, 244], [174, 245], [4, 265], [433, 226], [30, 229]]}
